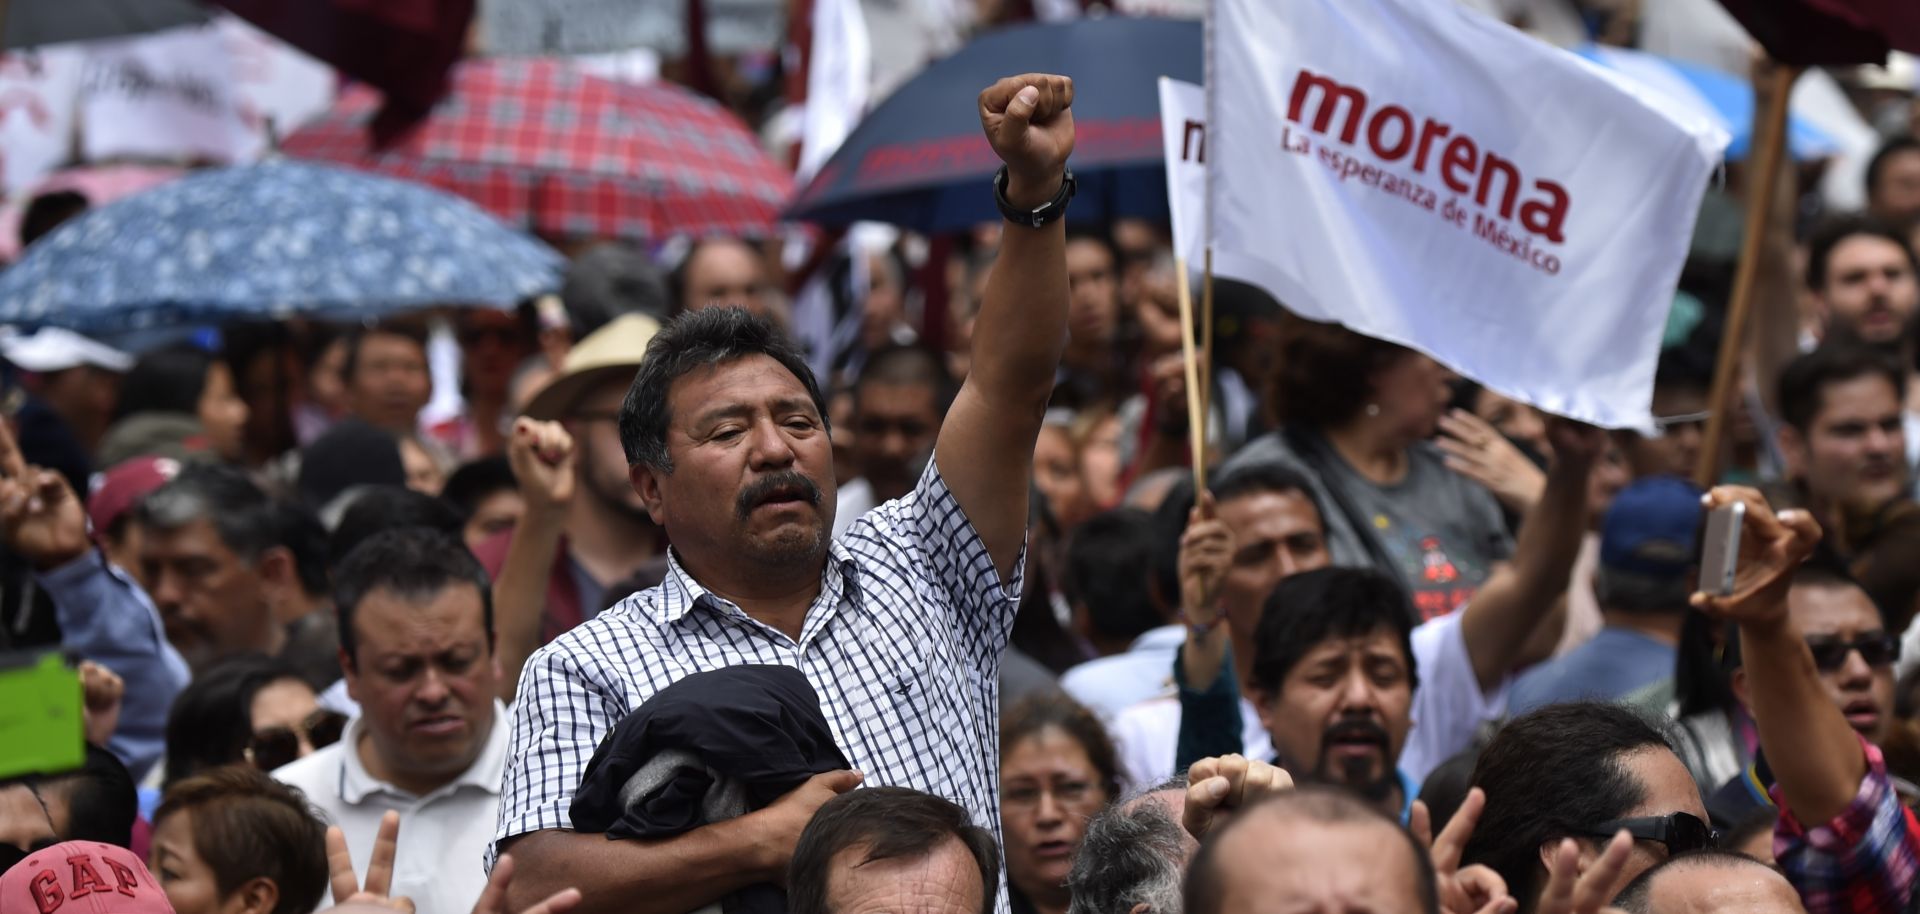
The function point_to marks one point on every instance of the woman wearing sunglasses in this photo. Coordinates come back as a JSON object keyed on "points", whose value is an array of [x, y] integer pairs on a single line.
{"points": [[246, 710]]}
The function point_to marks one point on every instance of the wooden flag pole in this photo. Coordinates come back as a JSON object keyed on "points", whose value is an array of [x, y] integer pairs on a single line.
{"points": [[1768, 147], [1206, 339], [1196, 416]]}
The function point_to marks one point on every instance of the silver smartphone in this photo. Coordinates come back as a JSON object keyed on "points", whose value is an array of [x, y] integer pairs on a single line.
{"points": [[1720, 548]]}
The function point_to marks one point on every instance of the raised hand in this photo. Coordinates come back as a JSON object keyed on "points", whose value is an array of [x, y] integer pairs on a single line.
{"points": [[1475, 889], [40, 517], [347, 889], [1206, 553], [494, 899], [1218, 787], [543, 461], [1575, 441], [1029, 122], [101, 691], [1478, 451], [1571, 892], [1771, 549]]}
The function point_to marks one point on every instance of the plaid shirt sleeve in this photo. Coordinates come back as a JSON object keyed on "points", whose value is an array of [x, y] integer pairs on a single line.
{"points": [[959, 563], [1865, 861]]}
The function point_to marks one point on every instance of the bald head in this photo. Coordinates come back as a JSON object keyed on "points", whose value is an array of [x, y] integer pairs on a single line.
{"points": [[1312, 849], [1711, 882]]}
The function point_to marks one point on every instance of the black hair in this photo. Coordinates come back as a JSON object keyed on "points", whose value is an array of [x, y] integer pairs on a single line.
{"points": [[1108, 558], [914, 366], [247, 521], [412, 563], [101, 799], [351, 454], [1877, 166], [887, 823], [699, 339], [47, 211], [1701, 682], [1637, 897], [167, 380], [1446, 787], [1261, 477], [1829, 234], [306, 540], [1206, 885], [476, 481], [358, 336], [610, 279], [1802, 387], [1550, 774], [1309, 608], [384, 508], [211, 720], [1169, 525]]}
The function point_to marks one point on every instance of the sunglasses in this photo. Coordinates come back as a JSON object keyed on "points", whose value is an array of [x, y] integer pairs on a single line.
{"points": [[1680, 832], [1830, 654], [274, 747]]}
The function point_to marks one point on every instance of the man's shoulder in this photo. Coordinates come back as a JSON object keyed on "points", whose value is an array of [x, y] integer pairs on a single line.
{"points": [[615, 627], [1149, 716], [318, 775]]}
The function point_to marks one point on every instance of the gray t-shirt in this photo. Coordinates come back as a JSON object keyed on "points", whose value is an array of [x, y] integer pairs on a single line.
{"points": [[1441, 531]]}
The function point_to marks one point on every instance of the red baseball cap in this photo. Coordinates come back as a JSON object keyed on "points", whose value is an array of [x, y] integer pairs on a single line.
{"points": [[120, 488], [82, 877]]}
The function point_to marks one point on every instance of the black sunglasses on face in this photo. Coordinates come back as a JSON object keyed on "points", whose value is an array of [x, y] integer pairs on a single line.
{"points": [[1830, 654], [1680, 832], [276, 746]]}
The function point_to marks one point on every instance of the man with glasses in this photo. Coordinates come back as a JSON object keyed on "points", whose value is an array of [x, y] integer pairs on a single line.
{"points": [[1844, 840], [1671, 445], [584, 530], [898, 404], [1854, 655]]}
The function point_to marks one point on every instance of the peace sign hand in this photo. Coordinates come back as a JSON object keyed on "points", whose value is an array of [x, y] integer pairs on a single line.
{"points": [[347, 889]]}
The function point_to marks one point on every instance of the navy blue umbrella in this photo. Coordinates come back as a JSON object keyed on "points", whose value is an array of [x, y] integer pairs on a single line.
{"points": [[919, 160]]}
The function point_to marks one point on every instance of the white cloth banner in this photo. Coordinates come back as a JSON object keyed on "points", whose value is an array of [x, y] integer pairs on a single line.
{"points": [[37, 91], [170, 95], [1427, 175], [1183, 141]]}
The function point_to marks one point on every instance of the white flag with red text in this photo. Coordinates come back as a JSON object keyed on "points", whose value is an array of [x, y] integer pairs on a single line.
{"points": [[1427, 175], [1183, 140]]}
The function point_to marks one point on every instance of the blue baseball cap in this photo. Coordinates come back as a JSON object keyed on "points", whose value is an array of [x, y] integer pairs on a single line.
{"points": [[1652, 527]]}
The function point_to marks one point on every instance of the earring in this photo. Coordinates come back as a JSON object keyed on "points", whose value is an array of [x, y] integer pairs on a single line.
{"points": [[1373, 410]]}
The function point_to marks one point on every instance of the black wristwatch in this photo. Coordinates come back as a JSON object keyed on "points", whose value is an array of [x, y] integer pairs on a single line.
{"points": [[1040, 215]]}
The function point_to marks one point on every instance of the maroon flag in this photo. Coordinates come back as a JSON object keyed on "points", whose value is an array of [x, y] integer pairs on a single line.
{"points": [[1812, 33], [404, 48]]}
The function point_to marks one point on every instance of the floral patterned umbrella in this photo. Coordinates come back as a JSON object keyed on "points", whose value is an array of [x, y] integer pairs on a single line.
{"points": [[267, 241]]}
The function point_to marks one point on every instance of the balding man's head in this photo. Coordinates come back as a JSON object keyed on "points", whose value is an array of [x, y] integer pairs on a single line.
{"points": [[1710, 882], [1315, 845]]}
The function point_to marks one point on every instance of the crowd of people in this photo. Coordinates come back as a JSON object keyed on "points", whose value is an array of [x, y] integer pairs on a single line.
{"points": [[677, 614]]}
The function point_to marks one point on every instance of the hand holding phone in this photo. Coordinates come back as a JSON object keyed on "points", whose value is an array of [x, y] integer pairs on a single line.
{"points": [[1720, 548]]}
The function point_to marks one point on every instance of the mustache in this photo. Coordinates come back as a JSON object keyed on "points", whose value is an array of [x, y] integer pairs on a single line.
{"points": [[782, 483], [1354, 729]]}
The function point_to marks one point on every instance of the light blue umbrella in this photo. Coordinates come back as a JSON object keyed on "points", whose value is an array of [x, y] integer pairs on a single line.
{"points": [[269, 241], [1722, 97]]}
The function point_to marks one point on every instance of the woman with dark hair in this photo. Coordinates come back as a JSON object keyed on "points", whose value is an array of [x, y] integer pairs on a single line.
{"points": [[1057, 770], [1356, 414], [185, 380], [246, 709], [233, 841]]}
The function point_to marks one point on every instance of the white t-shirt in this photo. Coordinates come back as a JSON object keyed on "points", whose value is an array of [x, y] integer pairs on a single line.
{"points": [[1110, 685], [1448, 708], [442, 835]]}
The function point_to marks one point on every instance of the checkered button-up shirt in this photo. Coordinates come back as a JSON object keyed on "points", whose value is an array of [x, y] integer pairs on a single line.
{"points": [[1865, 861], [903, 646]]}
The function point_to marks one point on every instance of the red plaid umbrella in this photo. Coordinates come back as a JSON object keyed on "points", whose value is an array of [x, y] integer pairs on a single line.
{"points": [[569, 155]]}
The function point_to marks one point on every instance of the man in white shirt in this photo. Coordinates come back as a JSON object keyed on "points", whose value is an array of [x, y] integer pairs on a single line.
{"points": [[416, 643], [1117, 609]]}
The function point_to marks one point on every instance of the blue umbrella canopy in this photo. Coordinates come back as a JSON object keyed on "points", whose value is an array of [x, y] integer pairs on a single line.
{"points": [[919, 159], [268, 241]]}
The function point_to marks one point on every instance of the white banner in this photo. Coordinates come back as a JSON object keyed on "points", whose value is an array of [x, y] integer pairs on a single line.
{"points": [[1183, 141], [170, 96], [37, 92], [1424, 174]]}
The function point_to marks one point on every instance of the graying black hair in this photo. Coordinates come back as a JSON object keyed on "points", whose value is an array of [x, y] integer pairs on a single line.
{"points": [[697, 339], [1132, 855], [243, 516]]}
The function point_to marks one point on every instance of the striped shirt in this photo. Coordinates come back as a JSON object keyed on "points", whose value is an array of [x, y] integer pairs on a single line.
{"points": [[903, 646], [1865, 861]]}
